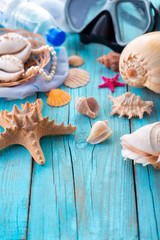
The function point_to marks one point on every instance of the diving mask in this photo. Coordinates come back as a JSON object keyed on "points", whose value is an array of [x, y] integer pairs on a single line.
{"points": [[113, 22]]}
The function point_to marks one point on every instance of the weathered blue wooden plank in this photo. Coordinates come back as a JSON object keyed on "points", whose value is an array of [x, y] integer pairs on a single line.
{"points": [[104, 187], [53, 212], [147, 179], [15, 177], [84, 191]]}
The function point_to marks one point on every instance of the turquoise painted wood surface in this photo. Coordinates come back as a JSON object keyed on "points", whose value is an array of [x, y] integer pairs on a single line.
{"points": [[83, 191]]}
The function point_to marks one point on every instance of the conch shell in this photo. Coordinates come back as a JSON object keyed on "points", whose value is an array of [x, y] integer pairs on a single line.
{"points": [[11, 68], [130, 105], [87, 106], [99, 132], [110, 61], [139, 62], [143, 145], [14, 43]]}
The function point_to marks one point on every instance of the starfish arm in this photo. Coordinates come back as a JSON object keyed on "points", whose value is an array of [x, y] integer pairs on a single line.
{"points": [[50, 128], [105, 79], [116, 77], [111, 87], [118, 84], [7, 138], [103, 85], [33, 146]]}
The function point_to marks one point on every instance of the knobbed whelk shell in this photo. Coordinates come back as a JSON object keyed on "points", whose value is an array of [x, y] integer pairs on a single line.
{"points": [[130, 105], [87, 106], [99, 132], [139, 62], [14, 43], [11, 68], [143, 145]]}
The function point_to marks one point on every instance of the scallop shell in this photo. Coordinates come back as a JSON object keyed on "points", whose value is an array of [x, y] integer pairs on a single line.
{"points": [[11, 68], [99, 132], [110, 61], [143, 145], [130, 105], [75, 61], [87, 106], [58, 97], [139, 62], [76, 78], [14, 43]]}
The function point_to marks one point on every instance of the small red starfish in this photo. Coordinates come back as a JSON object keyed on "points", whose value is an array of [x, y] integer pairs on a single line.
{"points": [[111, 83]]}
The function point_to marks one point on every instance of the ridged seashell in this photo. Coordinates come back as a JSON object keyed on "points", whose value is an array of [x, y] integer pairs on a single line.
{"points": [[75, 61], [87, 106], [99, 132], [110, 61], [11, 68], [26, 127], [130, 105], [58, 98], [139, 62], [143, 145], [14, 43], [76, 78]]}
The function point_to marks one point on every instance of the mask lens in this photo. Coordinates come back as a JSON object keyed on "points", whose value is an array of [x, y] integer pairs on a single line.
{"points": [[84, 11], [132, 18]]}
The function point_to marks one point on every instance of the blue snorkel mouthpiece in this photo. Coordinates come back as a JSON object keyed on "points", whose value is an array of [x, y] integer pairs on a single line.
{"points": [[56, 36]]}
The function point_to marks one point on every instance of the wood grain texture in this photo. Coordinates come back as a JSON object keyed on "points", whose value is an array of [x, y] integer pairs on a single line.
{"points": [[84, 191], [147, 178], [15, 177]]}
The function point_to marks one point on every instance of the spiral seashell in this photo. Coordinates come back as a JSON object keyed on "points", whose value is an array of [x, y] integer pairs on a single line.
{"points": [[87, 106], [130, 105], [99, 132], [143, 145], [139, 62], [110, 61], [11, 68]]}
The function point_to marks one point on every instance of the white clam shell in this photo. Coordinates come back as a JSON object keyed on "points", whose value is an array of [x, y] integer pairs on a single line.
{"points": [[139, 62], [143, 145], [99, 132], [14, 43], [10, 63], [11, 68]]}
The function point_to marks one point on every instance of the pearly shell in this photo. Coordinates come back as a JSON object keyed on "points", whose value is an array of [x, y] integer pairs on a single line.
{"points": [[14, 43], [110, 61], [87, 106], [130, 105], [139, 62], [11, 68], [75, 61], [99, 132], [143, 145]]}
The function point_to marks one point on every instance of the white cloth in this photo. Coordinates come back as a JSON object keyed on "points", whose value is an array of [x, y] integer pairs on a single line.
{"points": [[38, 84]]}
